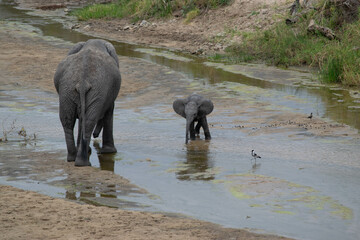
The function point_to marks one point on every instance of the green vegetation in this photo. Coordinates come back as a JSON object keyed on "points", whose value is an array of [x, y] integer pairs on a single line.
{"points": [[143, 9], [191, 15], [283, 45], [289, 45], [99, 11]]}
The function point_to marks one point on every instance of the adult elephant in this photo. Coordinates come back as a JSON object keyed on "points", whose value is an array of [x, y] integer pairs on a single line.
{"points": [[88, 81], [194, 109]]}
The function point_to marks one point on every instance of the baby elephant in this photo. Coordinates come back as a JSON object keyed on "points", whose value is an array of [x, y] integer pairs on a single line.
{"points": [[194, 108]]}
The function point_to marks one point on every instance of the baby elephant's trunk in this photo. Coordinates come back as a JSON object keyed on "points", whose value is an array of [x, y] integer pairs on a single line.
{"points": [[187, 132], [189, 120]]}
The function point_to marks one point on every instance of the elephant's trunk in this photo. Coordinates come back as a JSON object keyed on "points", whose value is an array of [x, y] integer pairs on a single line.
{"points": [[189, 120], [187, 131]]}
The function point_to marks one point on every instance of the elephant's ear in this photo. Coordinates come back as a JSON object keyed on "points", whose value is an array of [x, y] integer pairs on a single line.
{"points": [[111, 50], [206, 107], [76, 48], [179, 107]]}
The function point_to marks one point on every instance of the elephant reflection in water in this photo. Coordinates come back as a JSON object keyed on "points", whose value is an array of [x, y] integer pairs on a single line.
{"points": [[72, 195], [107, 161], [197, 165]]}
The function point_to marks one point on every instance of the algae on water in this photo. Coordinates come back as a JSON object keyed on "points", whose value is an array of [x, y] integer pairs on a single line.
{"points": [[281, 196]]}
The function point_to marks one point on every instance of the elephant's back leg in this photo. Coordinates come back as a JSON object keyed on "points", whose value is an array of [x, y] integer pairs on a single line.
{"points": [[99, 127], [107, 137], [197, 128], [68, 115]]}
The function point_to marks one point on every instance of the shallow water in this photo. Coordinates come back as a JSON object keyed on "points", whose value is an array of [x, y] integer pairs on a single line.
{"points": [[303, 187]]}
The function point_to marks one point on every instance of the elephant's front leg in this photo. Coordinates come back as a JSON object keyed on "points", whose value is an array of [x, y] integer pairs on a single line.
{"points": [[98, 128], [82, 159], [79, 138], [197, 128], [192, 130], [107, 137], [206, 128], [79, 134]]}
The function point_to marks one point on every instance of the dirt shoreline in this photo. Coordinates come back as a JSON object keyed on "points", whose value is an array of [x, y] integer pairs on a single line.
{"points": [[212, 31], [29, 215]]}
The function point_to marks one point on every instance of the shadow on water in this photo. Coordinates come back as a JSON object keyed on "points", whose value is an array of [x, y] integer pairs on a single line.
{"points": [[336, 104], [255, 166]]}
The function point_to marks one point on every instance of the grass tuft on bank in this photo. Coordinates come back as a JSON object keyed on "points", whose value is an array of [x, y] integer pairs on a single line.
{"points": [[143, 9], [292, 45]]}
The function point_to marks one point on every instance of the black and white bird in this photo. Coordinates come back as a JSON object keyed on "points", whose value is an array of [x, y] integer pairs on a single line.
{"points": [[254, 155], [310, 116]]}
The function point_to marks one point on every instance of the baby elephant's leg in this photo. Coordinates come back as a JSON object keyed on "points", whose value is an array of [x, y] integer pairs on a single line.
{"points": [[197, 128], [206, 128], [192, 130]]}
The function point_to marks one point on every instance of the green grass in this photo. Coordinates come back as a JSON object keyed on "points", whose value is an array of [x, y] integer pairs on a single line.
{"points": [[143, 9], [191, 15], [338, 60], [100, 11], [332, 70]]}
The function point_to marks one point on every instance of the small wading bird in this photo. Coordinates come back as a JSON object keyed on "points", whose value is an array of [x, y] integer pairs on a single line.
{"points": [[310, 116], [254, 155]]}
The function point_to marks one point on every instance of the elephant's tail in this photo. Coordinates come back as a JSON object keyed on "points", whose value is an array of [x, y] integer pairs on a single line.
{"points": [[82, 88], [84, 143]]}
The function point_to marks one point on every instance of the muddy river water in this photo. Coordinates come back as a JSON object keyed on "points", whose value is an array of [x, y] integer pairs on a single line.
{"points": [[305, 186]]}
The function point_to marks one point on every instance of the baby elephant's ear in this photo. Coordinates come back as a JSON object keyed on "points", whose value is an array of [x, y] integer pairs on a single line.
{"points": [[206, 107], [179, 107], [76, 48], [111, 50]]}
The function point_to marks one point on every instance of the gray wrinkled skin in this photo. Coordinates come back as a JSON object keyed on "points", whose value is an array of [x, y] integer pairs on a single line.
{"points": [[88, 81], [194, 109]]}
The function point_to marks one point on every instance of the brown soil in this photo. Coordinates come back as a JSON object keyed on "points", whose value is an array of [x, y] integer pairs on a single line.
{"points": [[29, 215], [211, 31]]}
